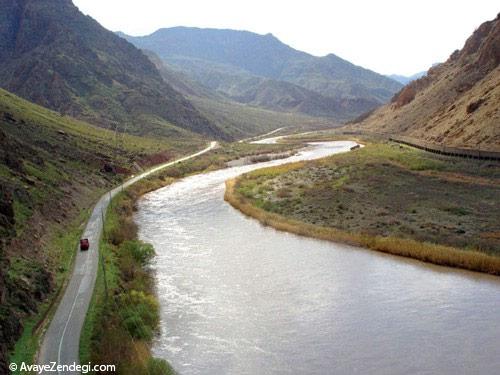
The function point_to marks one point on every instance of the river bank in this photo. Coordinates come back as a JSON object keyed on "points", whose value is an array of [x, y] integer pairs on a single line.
{"points": [[123, 315], [386, 198]]}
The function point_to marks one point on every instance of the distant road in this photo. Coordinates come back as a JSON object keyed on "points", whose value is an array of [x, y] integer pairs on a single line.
{"points": [[260, 136], [62, 338]]}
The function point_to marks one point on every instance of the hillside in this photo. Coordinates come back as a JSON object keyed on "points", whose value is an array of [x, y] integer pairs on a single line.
{"points": [[233, 62], [254, 114], [457, 103], [53, 55], [239, 86], [52, 167]]}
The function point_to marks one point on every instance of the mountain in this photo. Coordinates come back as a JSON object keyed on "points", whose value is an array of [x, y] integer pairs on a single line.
{"points": [[257, 91], [457, 103], [261, 70], [53, 55], [407, 79], [257, 112]]}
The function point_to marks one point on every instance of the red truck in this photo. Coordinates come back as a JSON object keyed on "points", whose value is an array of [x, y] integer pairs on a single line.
{"points": [[84, 244]]}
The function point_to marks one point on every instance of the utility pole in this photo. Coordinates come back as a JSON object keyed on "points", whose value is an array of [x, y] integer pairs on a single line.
{"points": [[102, 258], [104, 276], [103, 227]]}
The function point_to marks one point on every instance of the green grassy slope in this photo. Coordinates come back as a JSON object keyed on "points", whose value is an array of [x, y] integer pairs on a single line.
{"points": [[52, 168]]}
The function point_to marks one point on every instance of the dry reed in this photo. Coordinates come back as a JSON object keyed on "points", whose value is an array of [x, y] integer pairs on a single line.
{"points": [[423, 251]]}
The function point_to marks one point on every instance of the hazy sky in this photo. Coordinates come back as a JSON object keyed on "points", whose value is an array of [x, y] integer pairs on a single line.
{"points": [[387, 36]]}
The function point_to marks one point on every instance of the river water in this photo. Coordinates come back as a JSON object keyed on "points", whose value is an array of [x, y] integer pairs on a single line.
{"points": [[240, 298]]}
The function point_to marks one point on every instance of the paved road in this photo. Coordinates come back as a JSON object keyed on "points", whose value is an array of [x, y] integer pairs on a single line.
{"points": [[61, 341], [260, 136]]}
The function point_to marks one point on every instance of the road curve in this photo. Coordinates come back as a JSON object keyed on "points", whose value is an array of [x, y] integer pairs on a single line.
{"points": [[62, 338], [260, 136]]}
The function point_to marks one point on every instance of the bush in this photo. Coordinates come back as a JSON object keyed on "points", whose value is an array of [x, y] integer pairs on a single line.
{"points": [[473, 106], [136, 327], [140, 313], [142, 252], [284, 193], [126, 230], [157, 366]]}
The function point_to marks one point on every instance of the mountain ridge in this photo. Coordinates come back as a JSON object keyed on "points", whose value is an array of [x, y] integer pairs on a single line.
{"points": [[223, 58], [407, 79], [242, 120]]}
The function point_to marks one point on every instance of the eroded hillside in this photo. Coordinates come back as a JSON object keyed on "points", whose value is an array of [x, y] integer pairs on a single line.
{"points": [[457, 103]]}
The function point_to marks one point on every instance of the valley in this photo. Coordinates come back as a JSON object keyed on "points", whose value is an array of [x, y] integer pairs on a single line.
{"points": [[251, 206]]}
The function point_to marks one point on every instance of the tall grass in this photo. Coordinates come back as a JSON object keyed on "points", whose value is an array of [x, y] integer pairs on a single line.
{"points": [[426, 252]]}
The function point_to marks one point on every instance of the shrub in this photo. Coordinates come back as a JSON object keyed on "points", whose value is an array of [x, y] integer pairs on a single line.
{"points": [[284, 193], [142, 252], [136, 327], [125, 231], [458, 211], [473, 106], [139, 313], [157, 366]]}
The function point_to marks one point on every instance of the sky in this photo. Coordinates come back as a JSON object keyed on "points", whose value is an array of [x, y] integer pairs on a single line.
{"points": [[387, 36]]}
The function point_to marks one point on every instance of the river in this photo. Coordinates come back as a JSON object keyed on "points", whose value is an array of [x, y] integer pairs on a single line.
{"points": [[240, 298]]}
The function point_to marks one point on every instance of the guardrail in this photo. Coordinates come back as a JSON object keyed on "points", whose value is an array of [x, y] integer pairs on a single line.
{"points": [[446, 150], [432, 147]]}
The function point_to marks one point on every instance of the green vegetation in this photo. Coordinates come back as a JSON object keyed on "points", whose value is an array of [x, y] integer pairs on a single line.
{"points": [[50, 131], [124, 314], [215, 159], [387, 197]]}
